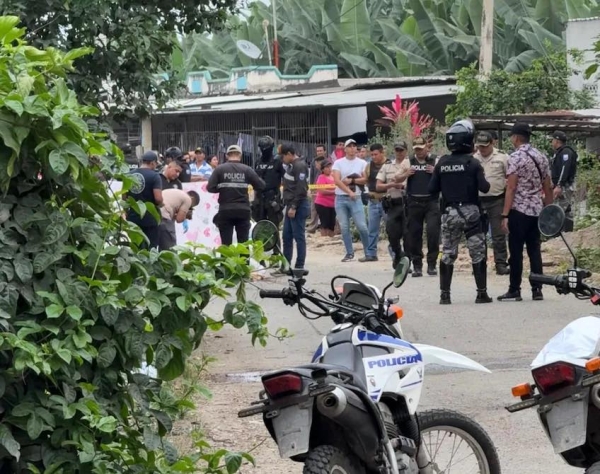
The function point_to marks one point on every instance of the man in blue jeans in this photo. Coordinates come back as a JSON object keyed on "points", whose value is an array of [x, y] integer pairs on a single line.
{"points": [[297, 206], [375, 209], [348, 174]]}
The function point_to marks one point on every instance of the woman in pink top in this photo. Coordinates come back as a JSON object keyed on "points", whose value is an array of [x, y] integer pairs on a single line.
{"points": [[325, 201]]}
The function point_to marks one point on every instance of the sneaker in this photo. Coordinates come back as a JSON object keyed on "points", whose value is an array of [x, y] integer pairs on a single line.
{"points": [[368, 259], [417, 273], [348, 258], [431, 271], [445, 298], [537, 295], [483, 297], [510, 296]]}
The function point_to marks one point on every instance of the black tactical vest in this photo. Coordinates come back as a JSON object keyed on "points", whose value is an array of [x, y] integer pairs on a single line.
{"points": [[418, 183]]}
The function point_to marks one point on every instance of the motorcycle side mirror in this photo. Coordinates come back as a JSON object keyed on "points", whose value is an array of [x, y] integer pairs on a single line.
{"points": [[267, 233], [401, 272], [551, 223]]}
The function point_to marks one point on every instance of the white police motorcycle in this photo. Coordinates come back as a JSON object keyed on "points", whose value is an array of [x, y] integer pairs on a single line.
{"points": [[566, 373], [353, 410]]}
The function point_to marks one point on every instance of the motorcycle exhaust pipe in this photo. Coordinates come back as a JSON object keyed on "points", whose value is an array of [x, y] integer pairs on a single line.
{"points": [[595, 395], [346, 409]]}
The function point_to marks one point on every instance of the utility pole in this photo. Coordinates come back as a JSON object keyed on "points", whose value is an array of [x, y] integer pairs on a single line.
{"points": [[275, 40], [486, 53]]}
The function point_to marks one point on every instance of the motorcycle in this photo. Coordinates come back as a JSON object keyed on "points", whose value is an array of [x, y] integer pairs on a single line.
{"points": [[566, 373], [354, 408]]}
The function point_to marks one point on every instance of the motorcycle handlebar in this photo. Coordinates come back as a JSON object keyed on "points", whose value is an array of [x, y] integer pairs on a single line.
{"points": [[558, 281], [272, 293]]}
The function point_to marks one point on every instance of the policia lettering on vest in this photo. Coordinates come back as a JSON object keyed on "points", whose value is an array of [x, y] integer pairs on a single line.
{"points": [[422, 207], [460, 177]]}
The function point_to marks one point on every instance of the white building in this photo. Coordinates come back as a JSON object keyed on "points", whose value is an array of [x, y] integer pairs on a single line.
{"points": [[581, 35]]}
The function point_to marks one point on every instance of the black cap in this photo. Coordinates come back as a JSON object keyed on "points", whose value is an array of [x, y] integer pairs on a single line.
{"points": [[562, 136], [150, 156], [521, 128], [484, 139], [401, 145]]}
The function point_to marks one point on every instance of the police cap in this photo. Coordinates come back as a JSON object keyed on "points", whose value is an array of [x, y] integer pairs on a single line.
{"points": [[559, 135]]}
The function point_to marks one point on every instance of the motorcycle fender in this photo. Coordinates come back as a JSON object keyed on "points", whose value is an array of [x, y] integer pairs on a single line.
{"points": [[567, 424], [438, 356], [292, 429]]}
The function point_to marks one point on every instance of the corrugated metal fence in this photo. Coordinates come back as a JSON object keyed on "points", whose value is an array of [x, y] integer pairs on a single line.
{"points": [[215, 132]]}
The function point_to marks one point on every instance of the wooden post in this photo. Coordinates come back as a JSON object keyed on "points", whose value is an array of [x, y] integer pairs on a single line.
{"points": [[486, 53]]}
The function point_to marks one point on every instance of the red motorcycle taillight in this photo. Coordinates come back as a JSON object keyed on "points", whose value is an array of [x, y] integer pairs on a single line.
{"points": [[554, 376], [283, 384]]}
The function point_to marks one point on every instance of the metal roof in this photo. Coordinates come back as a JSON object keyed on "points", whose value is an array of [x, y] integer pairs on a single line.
{"points": [[338, 99], [584, 121]]}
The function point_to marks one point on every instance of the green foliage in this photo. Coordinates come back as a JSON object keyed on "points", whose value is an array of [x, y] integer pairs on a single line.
{"points": [[132, 42], [80, 306], [388, 38], [588, 258], [543, 87]]}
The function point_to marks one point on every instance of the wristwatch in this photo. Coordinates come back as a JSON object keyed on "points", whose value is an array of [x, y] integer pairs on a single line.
{"points": [[504, 216]]}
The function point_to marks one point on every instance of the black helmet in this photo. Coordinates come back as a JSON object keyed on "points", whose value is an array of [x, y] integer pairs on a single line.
{"points": [[265, 143], [174, 153], [459, 137]]}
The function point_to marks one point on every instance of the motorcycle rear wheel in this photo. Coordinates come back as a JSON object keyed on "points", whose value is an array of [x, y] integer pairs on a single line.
{"points": [[331, 460], [459, 425]]}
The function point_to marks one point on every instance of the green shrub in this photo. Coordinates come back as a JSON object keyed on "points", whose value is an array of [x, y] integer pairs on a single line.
{"points": [[80, 306]]}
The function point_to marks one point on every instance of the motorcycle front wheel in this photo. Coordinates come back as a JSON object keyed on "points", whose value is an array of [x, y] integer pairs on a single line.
{"points": [[453, 429], [331, 460]]}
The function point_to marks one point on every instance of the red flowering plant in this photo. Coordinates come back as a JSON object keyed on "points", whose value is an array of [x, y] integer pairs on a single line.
{"points": [[403, 121]]}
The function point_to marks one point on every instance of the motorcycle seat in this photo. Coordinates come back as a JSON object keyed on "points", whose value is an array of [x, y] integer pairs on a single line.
{"points": [[358, 379]]}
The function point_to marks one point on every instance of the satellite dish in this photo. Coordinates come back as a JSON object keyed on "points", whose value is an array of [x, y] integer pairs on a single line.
{"points": [[249, 49]]}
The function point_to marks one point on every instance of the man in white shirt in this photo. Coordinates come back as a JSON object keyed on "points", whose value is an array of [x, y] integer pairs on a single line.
{"points": [[177, 207], [348, 174]]}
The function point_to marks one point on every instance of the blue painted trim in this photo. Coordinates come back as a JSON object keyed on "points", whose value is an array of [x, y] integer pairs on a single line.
{"points": [[411, 384], [242, 83], [368, 336], [243, 70], [318, 353]]}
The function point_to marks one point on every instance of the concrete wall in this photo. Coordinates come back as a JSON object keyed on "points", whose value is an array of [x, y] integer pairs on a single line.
{"points": [[259, 79], [581, 35]]}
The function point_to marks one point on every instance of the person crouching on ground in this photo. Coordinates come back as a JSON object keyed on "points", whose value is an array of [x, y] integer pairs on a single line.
{"points": [[177, 207]]}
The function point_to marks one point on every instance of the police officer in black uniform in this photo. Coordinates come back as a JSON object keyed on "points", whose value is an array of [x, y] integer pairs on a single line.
{"points": [[175, 154], [231, 180], [564, 170], [460, 178], [422, 207], [267, 203]]}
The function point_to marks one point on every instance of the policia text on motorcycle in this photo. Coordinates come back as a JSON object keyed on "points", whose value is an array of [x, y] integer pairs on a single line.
{"points": [[460, 178], [564, 170], [390, 180], [231, 180], [422, 207]]}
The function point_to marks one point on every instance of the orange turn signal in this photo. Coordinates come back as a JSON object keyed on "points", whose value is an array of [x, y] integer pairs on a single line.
{"points": [[523, 390], [593, 365], [397, 311]]}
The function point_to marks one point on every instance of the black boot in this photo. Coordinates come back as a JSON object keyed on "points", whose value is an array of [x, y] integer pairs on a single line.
{"points": [[480, 273], [445, 282]]}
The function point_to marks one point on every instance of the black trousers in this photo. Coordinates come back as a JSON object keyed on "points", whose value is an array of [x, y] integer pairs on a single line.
{"points": [[523, 231], [395, 224], [422, 211], [233, 219], [153, 234]]}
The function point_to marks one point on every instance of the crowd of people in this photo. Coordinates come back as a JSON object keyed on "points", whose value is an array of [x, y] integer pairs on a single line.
{"points": [[472, 191]]}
